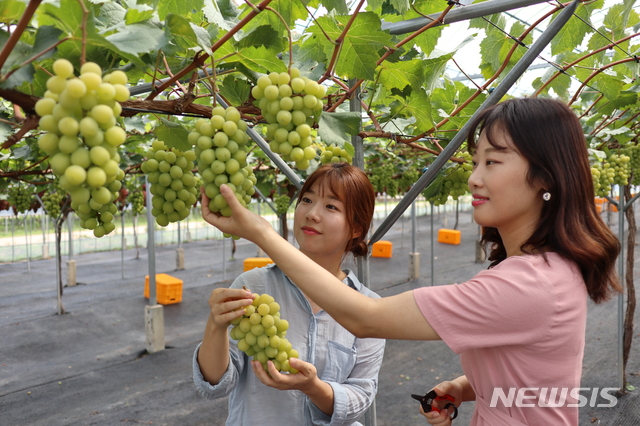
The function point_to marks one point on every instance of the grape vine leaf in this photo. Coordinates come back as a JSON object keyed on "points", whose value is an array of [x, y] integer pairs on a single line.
{"points": [[402, 74], [573, 32], [216, 17], [173, 135], [177, 7], [138, 13], [22, 151], [11, 10], [288, 10], [261, 58], [138, 38], [337, 127], [340, 6], [609, 85], [111, 15], [262, 36], [235, 91], [361, 45], [188, 34], [435, 186], [69, 17], [5, 131]]}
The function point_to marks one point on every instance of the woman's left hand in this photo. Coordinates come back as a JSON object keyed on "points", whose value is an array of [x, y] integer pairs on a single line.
{"points": [[303, 380]]}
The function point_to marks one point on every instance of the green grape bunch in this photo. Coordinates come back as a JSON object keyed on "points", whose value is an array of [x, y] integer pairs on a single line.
{"points": [[281, 203], [614, 170], [173, 184], [408, 178], [80, 136], [260, 333], [454, 181], [383, 180], [53, 199], [222, 147], [633, 152], [290, 103], [20, 198], [137, 200], [334, 154]]}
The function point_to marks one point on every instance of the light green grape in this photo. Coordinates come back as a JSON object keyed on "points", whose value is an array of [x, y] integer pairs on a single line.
{"points": [[287, 103], [174, 191], [80, 136], [454, 181], [226, 161], [20, 197], [261, 334]]}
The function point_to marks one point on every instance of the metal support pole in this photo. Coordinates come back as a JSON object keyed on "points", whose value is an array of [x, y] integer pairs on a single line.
{"points": [[153, 313], [70, 229], [151, 246], [429, 175], [621, 210], [123, 243], [26, 239], [362, 262], [458, 14], [432, 247]]}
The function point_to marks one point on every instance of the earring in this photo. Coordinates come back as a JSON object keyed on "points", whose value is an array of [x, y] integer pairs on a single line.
{"points": [[546, 196]]}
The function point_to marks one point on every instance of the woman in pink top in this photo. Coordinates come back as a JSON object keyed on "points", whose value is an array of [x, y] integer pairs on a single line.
{"points": [[518, 326]]}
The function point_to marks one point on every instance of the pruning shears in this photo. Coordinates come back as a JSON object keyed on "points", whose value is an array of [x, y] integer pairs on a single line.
{"points": [[427, 400]]}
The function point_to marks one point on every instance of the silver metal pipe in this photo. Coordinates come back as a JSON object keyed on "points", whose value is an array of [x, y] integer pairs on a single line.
{"points": [[458, 14], [621, 209], [151, 246], [502, 88]]}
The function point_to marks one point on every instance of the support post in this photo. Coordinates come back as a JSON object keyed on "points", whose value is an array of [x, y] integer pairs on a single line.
{"points": [[153, 313], [414, 256]]}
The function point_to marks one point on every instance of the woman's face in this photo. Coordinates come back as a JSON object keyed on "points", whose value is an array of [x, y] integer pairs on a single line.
{"points": [[320, 224], [502, 197]]}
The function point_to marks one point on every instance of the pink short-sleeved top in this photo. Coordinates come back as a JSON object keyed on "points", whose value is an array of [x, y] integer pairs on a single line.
{"points": [[520, 331]]}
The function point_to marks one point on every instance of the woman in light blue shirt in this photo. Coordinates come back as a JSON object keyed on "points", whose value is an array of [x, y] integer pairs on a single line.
{"points": [[338, 373]]}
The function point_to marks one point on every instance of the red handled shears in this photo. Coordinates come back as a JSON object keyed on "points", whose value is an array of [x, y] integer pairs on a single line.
{"points": [[427, 400]]}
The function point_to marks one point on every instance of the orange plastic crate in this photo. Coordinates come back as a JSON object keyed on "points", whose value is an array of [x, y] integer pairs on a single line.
{"points": [[382, 249], [449, 236], [256, 262], [168, 289]]}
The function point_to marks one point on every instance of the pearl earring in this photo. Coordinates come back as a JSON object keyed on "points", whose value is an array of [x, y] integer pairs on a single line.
{"points": [[546, 196]]}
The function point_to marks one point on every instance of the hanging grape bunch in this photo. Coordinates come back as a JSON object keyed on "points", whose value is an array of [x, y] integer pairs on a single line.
{"points": [[290, 103], [633, 152], [334, 154], [612, 171], [281, 203], [81, 136], [221, 146], [172, 182], [52, 200], [19, 198], [382, 178], [136, 198], [408, 178], [261, 332], [454, 181]]}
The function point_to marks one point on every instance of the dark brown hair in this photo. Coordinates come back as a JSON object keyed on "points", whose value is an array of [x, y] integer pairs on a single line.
{"points": [[351, 186], [549, 136]]}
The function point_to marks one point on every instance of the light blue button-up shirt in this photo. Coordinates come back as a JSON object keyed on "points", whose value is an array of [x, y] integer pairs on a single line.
{"points": [[349, 364]]}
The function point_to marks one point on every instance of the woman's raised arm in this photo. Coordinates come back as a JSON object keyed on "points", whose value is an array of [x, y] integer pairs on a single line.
{"points": [[387, 317]]}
